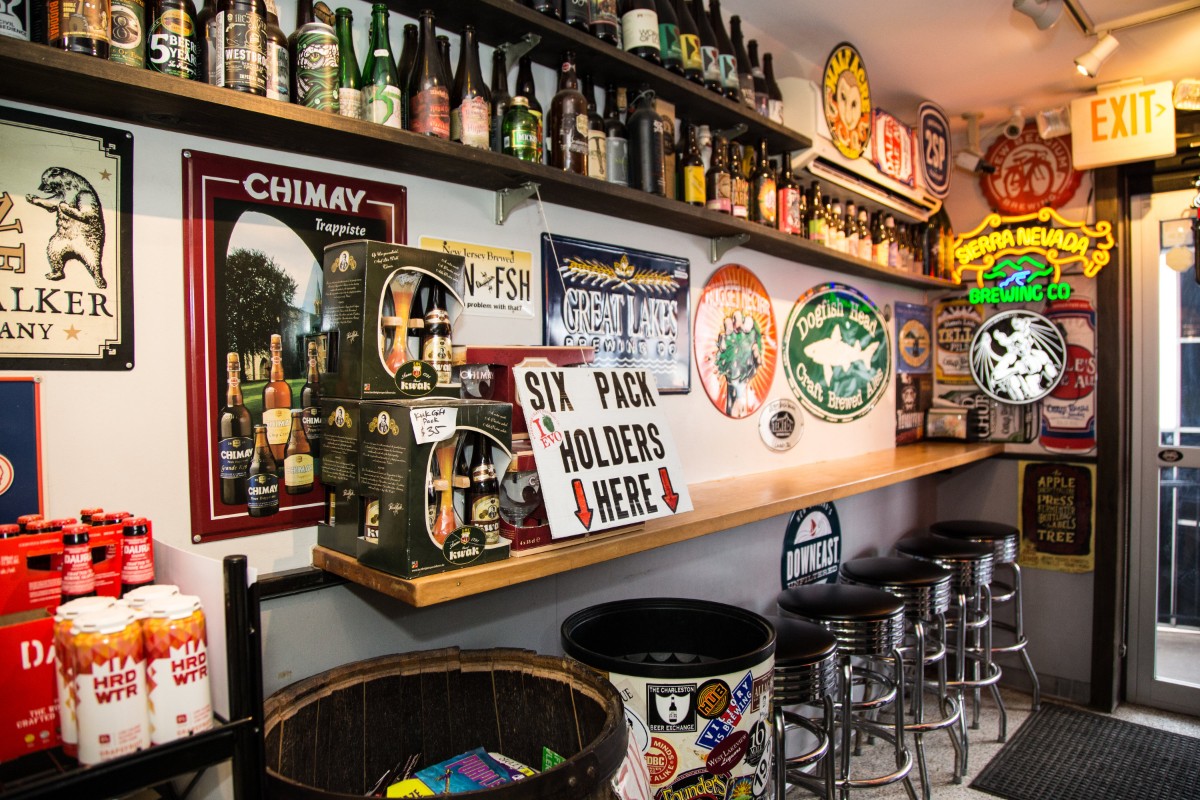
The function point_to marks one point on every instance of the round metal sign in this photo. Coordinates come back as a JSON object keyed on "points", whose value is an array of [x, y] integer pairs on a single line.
{"points": [[780, 424], [847, 100], [934, 142], [735, 340], [1018, 357], [837, 352], [1031, 173]]}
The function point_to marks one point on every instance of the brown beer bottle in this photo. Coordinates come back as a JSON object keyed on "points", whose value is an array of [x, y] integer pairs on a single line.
{"points": [[262, 487], [436, 345], [568, 131], [429, 86], [482, 499], [298, 465], [277, 402], [310, 402], [235, 437]]}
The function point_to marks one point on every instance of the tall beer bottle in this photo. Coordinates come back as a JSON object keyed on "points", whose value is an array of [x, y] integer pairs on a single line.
{"points": [[350, 94], [741, 184], [235, 432], [443, 47], [710, 55], [500, 98], [436, 344], [745, 77], [728, 61], [597, 161], [691, 170], [244, 45], [277, 401], [605, 21], [279, 79], [172, 45], [719, 180], [298, 467], [471, 102], [381, 88], [210, 37], [689, 44], [646, 151], [525, 88], [314, 51], [774, 95], [428, 88], [262, 484], [787, 203], [127, 33], [551, 8], [760, 81], [568, 129], [310, 402], [79, 26], [616, 141], [669, 48], [578, 14], [482, 498], [764, 189], [639, 29]]}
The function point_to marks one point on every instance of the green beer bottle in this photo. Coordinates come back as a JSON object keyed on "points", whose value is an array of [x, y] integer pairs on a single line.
{"points": [[521, 131], [382, 88], [350, 96]]}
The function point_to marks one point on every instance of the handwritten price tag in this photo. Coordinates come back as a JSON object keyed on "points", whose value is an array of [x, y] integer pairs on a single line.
{"points": [[433, 424]]}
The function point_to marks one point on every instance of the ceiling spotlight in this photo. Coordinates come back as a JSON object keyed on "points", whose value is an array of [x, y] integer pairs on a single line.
{"points": [[972, 162], [1052, 122], [1015, 124], [1089, 63], [1044, 13]]}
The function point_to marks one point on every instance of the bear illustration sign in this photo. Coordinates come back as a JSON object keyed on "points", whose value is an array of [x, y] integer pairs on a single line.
{"points": [[66, 255]]}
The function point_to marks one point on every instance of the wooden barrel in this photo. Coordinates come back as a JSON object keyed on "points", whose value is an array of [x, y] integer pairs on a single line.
{"points": [[333, 735]]}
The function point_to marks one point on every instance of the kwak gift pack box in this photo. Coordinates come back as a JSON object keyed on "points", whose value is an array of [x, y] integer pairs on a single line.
{"points": [[341, 424]]}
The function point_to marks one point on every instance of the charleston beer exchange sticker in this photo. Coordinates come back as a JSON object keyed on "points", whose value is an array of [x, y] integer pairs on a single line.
{"points": [[837, 352]]}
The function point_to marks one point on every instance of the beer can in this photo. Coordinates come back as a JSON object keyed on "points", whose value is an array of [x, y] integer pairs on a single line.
{"points": [[316, 72], [138, 598], [109, 665], [176, 668], [64, 617]]}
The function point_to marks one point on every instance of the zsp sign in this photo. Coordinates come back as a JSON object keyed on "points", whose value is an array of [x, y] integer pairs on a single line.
{"points": [[1133, 123]]}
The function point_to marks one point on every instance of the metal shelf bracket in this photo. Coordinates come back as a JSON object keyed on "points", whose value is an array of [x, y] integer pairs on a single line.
{"points": [[721, 245], [732, 133], [514, 50], [508, 199]]}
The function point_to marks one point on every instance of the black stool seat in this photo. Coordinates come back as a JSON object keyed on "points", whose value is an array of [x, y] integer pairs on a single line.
{"points": [[970, 562], [923, 586], [805, 662], [1004, 539], [865, 621]]}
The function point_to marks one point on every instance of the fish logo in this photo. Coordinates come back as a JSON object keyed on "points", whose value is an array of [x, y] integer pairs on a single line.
{"points": [[834, 352]]}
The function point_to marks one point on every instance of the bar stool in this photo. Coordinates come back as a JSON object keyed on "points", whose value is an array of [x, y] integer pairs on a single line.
{"points": [[806, 670], [971, 565], [924, 588], [1005, 539], [868, 624]]}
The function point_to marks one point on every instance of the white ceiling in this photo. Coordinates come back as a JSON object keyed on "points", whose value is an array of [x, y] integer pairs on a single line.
{"points": [[975, 55]]}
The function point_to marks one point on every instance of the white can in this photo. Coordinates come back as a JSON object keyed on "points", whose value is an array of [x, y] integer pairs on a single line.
{"points": [[177, 667], [138, 598], [110, 685], [64, 676]]}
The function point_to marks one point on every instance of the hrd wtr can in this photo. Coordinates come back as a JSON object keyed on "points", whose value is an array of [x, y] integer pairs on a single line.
{"points": [[64, 618], [139, 598], [110, 684], [176, 668]]}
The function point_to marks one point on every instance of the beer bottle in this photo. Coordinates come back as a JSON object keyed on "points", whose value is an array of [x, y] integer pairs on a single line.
{"points": [[670, 150], [381, 88], [709, 54], [443, 47], [279, 79], [262, 485], [832, 204], [816, 216], [568, 129], [597, 160], [79, 26], [404, 68], [551, 8], [520, 132], [350, 95], [137, 554], [719, 180], [235, 443], [436, 346], [127, 33], [244, 45], [691, 170], [774, 95], [10, 531], [78, 578], [314, 52], [210, 37], [471, 102], [763, 189], [639, 29], [277, 401], [850, 229], [525, 88], [760, 81], [172, 47], [428, 89], [298, 466], [787, 204], [864, 235], [745, 77], [669, 48], [616, 141], [500, 98], [577, 14], [727, 60], [482, 498], [646, 145], [604, 21], [892, 257], [310, 402], [689, 44], [740, 185]]}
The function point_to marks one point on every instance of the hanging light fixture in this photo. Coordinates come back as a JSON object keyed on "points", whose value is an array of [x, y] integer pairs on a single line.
{"points": [[1044, 13], [1089, 63], [1052, 122]]}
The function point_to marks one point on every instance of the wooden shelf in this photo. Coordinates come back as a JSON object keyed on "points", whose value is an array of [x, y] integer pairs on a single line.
{"points": [[42, 75], [718, 505]]}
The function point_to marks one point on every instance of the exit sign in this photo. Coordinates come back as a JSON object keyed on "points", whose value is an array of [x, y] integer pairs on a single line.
{"points": [[1129, 123]]}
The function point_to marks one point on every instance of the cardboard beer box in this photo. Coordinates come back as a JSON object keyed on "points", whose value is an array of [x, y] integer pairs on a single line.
{"points": [[30, 708], [413, 506], [343, 519], [370, 290], [31, 571], [486, 371]]}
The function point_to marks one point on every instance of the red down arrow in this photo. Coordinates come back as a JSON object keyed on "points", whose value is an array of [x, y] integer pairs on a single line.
{"points": [[669, 497], [581, 504]]}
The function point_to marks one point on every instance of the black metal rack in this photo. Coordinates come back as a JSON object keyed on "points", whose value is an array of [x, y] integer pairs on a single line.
{"points": [[51, 775]]}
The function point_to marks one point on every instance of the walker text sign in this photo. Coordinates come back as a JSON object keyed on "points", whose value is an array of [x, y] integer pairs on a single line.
{"points": [[1132, 123], [603, 448]]}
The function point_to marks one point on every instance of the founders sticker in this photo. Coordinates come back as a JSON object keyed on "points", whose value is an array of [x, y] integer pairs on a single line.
{"points": [[837, 352], [780, 424], [812, 546], [1018, 357], [671, 708]]}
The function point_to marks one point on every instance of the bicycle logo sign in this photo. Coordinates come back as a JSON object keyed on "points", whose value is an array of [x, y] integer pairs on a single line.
{"points": [[1031, 173]]}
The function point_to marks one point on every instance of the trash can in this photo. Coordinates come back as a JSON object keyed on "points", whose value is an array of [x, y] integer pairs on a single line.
{"points": [[695, 677], [333, 735]]}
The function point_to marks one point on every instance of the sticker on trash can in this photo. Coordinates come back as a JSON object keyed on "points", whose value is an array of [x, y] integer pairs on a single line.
{"points": [[717, 729], [670, 708], [726, 755], [661, 760], [812, 547], [713, 698]]}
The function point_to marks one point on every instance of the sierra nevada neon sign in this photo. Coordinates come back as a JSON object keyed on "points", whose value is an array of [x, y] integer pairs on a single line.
{"points": [[1015, 252]]}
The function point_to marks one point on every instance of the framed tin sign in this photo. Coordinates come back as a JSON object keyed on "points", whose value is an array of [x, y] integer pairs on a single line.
{"points": [[1031, 173], [933, 143], [846, 97], [631, 306], [914, 342], [66, 244], [1018, 357], [736, 341], [892, 145], [837, 352], [812, 547]]}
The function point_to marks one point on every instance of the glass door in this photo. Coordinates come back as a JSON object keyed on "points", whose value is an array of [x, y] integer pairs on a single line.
{"points": [[1164, 636]]}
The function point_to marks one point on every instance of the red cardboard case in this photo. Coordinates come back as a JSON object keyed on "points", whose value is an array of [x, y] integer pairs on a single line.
{"points": [[28, 707]]}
